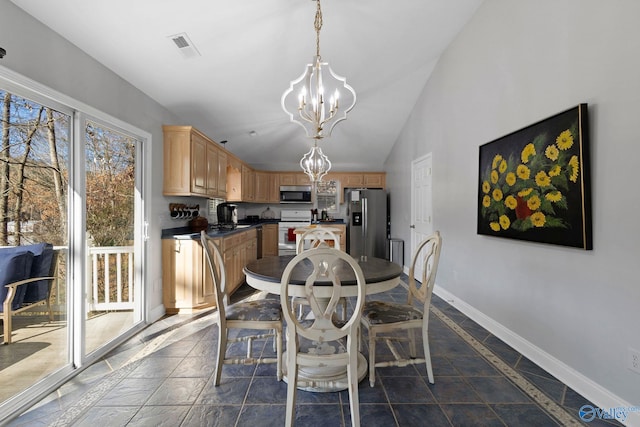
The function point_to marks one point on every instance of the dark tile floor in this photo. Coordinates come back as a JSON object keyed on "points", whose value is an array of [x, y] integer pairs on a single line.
{"points": [[163, 377]]}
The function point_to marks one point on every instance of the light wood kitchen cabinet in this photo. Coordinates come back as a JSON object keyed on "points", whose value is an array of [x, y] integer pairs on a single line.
{"points": [[269, 240], [374, 179], [267, 187], [184, 285], [222, 174], [240, 183], [359, 179], [237, 250], [248, 184], [192, 164], [186, 282]]}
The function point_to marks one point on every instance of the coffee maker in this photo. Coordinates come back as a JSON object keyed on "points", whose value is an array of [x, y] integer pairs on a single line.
{"points": [[227, 216]]}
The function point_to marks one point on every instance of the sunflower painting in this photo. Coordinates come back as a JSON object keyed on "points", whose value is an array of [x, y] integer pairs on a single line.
{"points": [[534, 183]]}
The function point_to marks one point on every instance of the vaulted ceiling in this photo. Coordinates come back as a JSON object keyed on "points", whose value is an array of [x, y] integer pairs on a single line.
{"points": [[249, 51]]}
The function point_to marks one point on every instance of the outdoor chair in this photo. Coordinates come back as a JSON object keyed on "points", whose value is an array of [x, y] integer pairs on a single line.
{"points": [[27, 274]]}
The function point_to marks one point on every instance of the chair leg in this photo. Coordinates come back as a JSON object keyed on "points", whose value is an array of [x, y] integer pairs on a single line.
{"points": [[372, 357], [222, 350], [427, 354], [49, 308], [412, 342], [6, 320], [292, 372], [278, 339], [354, 400]]}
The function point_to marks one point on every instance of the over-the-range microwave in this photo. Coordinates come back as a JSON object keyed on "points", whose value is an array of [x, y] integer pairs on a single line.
{"points": [[295, 194]]}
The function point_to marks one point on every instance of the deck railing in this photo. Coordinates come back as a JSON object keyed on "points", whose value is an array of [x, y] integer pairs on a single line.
{"points": [[110, 278]]}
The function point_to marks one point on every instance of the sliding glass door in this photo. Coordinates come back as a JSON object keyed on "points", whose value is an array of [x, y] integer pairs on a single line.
{"points": [[73, 180]]}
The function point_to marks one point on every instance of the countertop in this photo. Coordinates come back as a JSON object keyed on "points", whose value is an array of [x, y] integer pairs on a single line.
{"points": [[187, 233]]}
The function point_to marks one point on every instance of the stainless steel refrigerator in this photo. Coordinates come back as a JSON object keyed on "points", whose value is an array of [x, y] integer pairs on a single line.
{"points": [[367, 230]]}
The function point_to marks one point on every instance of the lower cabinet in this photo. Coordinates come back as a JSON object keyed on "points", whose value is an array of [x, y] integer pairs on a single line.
{"points": [[269, 240], [186, 282]]}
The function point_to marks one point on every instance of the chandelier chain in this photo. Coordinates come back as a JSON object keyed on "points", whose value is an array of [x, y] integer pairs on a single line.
{"points": [[317, 23]]}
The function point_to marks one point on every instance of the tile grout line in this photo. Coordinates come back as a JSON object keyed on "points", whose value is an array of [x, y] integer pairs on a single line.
{"points": [[532, 391]]}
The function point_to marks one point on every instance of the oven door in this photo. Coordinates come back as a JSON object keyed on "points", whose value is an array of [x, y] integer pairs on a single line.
{"points": [[287, 237]]}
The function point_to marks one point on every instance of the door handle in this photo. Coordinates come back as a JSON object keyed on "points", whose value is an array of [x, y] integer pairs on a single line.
{"points": [[412, 226]]}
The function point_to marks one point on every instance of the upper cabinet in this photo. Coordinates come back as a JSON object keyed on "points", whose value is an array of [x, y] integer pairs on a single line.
{"points": [[359, 179], [194, 165]]}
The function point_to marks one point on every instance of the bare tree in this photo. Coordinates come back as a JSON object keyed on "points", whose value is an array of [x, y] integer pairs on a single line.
{"points": [[19, 188], [4, 168], [55, 164]]}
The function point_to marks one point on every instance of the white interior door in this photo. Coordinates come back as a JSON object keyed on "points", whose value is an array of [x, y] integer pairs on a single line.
{"points": [[421, 201]]}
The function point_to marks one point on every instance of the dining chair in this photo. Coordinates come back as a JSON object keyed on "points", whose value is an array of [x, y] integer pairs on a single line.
{"points": [[262, 314], [315, 238], [324, 341], [385, 320]]}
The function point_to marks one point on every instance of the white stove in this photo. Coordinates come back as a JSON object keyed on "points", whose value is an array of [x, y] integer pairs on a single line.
{"points": [[291, 219]]}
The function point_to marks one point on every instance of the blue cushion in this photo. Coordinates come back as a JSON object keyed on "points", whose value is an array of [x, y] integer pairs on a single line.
{"points": [[14, 266], [41, 267]]}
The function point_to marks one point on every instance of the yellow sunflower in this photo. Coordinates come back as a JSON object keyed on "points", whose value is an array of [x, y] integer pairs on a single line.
{"points": [[496, 160], [525, 192], [497, 194], [552, 152], [553, 196], [573, 163], [565, 140], [542, 179], [511, 179], [494, 176], [503, 166], [528, 151], [533, 203], [486, 187], [555, 171], [538, 219], [505, 222], [511, 202], [523, 172], [494, 226], [486, 201]]}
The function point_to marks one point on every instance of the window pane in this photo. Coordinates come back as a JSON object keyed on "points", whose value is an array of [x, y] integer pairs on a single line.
{"points": [[110, 162]]}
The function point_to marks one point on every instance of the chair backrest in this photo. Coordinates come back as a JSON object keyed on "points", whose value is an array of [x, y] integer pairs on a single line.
{"points": [[26, 262], [318, 237], [215, 263], [329, 268], [427, 255]]}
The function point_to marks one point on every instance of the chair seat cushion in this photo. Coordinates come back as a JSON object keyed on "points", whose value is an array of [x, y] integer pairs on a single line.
{"points": [[382, 312], [259, 311]]}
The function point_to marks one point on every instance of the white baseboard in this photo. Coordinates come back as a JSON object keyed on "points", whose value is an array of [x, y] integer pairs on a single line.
{"points": [[586, 387], [156, 313]]}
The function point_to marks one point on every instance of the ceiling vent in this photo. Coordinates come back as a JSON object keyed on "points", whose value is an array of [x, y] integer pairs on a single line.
{"points": [[185, 46]]}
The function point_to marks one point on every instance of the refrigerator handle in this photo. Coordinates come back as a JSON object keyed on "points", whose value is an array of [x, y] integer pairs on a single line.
{"points": [[365, 226]]}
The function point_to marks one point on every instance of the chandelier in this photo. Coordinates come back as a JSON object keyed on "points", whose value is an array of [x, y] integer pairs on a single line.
{"points": [[310, 108], [315, 164]]}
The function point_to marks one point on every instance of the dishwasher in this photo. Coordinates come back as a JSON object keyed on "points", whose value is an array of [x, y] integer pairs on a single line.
{"points": [[259, 244]]}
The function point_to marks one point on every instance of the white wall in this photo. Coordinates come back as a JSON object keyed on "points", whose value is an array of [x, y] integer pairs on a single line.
{"points": [[35, 52], [515, 63]]}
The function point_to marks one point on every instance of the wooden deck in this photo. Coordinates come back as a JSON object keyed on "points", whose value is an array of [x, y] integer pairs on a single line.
{"points": [[40, 347]]}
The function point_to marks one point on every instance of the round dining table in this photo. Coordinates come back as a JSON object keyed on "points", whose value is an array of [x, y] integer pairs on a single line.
{"points": [[380, 275]]}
